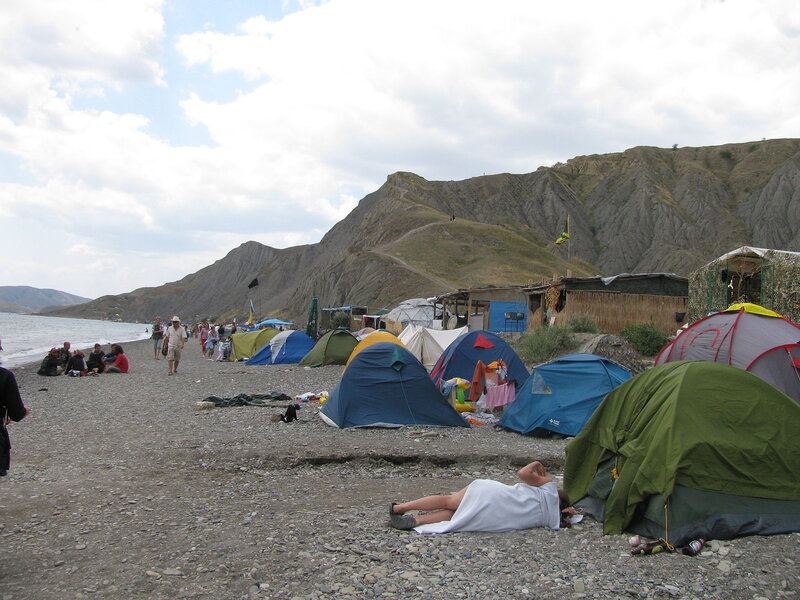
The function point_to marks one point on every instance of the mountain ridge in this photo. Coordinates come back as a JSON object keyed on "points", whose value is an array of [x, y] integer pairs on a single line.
{"points": [[645, 209], [27, 299]]}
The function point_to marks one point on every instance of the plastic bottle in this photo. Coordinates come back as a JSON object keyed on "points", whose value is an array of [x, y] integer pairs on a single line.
{"points": [[694, 547]]}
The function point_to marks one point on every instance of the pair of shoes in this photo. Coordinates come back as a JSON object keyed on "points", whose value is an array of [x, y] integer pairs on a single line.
{"points": [[404, 522]]}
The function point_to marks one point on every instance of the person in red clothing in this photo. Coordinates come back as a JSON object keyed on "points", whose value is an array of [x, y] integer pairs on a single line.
{"points": [[120, 364]]}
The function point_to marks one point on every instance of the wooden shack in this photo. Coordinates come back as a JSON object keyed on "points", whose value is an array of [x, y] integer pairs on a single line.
{"points": [[612, 303], [355, 313], [770, 278]]}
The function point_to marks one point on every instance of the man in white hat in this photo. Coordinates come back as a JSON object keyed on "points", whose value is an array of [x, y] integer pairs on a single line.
{"points": [[175, 338]]}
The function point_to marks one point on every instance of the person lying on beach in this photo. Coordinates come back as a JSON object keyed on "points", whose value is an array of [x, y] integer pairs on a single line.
{"points": [[120, 364], [486, 505]]}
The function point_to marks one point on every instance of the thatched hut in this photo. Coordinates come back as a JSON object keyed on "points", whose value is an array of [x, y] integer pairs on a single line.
{"points": [[770, 278], [612, 303]]}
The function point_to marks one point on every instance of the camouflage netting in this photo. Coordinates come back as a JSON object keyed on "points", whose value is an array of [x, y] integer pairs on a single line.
{"points": [[778, 275], [616, 349]]}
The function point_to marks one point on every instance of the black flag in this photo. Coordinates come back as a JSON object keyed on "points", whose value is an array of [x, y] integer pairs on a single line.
{"points": [[253, 283]]}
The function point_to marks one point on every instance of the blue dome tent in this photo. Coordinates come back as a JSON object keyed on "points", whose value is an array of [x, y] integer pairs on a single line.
{"points": [[561, 395], [288, 347], [386, 386], [460, 357]]}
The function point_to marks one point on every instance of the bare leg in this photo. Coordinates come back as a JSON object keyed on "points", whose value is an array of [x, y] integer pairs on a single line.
{"points": [[434, 517], [448, 503]]}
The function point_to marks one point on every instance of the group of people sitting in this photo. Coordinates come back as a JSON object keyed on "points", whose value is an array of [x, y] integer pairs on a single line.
{"points": [[63, 361]]}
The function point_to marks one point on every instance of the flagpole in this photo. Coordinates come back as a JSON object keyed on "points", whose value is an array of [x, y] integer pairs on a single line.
{"points": [[569, 241]]}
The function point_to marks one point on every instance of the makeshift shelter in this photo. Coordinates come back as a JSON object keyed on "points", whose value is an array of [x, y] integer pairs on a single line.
{"points": [[690, 449], [561, 395], [287, 347], [490, 308], [386, 386], [460, 357], [767, 277], [613, 303], [429, 344], [245, 345], [414, 311], [748, 337], [373, 338], [333, 348]]}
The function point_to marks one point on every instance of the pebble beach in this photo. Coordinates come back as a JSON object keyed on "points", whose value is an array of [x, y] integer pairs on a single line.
{"points": [[121, 488]]}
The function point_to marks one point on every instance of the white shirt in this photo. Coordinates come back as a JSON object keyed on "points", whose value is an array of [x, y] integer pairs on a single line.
{"points": [[178, 339]]}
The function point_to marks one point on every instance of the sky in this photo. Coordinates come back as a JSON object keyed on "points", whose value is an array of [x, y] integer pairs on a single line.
{"points": [[141, 140]]}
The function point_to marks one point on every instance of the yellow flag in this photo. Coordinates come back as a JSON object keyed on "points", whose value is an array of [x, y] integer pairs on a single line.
{"points": [[564, 237]]}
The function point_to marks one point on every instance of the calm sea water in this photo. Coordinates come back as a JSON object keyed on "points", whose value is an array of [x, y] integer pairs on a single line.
{"points": [[27, 338]]}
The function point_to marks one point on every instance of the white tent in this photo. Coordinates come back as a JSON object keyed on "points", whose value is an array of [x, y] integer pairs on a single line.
{"points": [[416, 311], [429, 344]]}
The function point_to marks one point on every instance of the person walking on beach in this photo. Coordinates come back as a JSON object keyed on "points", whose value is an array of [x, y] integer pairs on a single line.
{"points": [[203, 336], [486, 505], [157, 335], [175, 338], [11, 409]]}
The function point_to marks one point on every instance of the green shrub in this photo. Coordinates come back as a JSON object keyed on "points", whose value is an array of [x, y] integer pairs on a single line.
{"points": [[545, 343], [582, 324], [340, 318], [645, 338]]}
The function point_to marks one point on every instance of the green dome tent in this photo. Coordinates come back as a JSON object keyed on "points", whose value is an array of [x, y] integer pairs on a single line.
{"points": [[700, 449], [333, 348]]}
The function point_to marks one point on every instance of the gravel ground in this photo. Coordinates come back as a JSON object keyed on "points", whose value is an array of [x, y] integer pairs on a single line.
{"points": [[119, 488]]}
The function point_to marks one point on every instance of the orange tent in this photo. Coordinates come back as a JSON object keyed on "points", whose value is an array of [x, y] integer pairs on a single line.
{"points": [[373, 338]]}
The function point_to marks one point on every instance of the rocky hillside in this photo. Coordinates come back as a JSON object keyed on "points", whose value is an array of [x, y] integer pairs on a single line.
{"points": [[645, 209], [26, 299]]}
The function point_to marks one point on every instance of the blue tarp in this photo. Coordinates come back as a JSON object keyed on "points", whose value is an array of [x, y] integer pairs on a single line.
{"points": [[561, 395], [508, 316], [385, 385], [273, 323], [460, 357]]}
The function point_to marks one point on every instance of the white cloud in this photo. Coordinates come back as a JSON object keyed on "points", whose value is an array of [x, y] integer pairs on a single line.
{"points": [[339, 94]]}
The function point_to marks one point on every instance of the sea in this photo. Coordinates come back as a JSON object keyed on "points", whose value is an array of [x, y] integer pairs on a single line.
{"points": [[27, 338]]}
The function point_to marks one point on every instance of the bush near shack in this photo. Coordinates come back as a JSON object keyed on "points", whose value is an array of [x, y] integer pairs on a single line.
{"points": [[547, 343], [645, 338]]}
